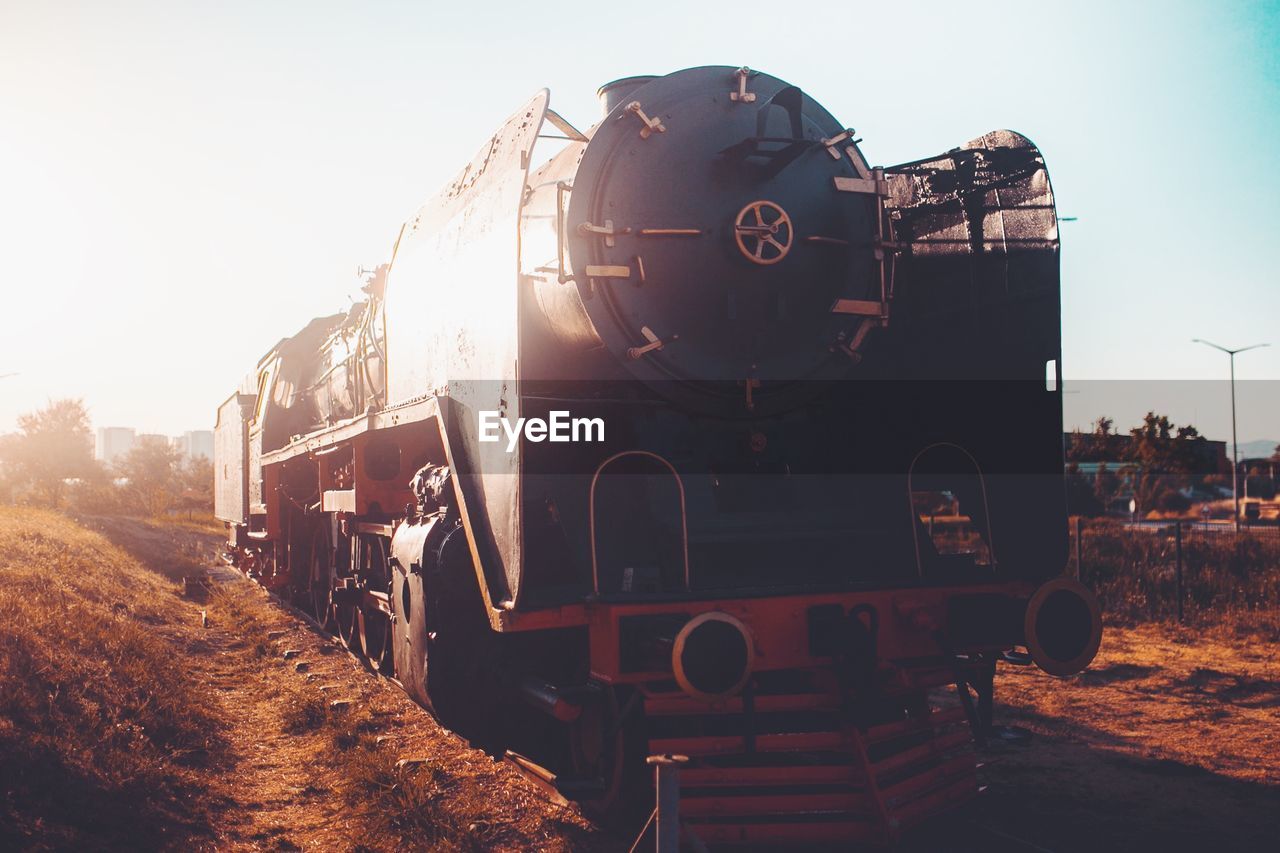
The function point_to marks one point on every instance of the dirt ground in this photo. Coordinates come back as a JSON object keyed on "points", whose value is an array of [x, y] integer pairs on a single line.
{"points": [[1171, 741]]}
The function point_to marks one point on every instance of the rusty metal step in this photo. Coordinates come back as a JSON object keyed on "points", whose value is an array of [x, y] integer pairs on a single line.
{"points": [[678, 704], [849, 803], [905, 789], [790, 834], [801, 774], [931, 748], [944, 798], [935, 720], [734, 744]]}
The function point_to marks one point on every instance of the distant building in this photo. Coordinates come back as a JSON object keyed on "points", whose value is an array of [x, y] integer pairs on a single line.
{"points": [[1089, 451], [195, 444], [113, 443]]}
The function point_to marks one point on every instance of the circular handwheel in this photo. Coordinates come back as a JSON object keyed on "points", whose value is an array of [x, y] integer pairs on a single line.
{"points": [[763, 232]]}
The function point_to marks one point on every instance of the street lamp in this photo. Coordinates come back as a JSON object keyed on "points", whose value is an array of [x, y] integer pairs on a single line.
{"points": [[1235, 449]]}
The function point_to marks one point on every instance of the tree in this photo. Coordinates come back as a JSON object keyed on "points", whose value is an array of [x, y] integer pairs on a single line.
{"points": [[196, 477], [1165, 455], [1081, 498], [153, 468], [10, 473], [1095, 446], [1106, 485], [95, 493], [53, 445]]}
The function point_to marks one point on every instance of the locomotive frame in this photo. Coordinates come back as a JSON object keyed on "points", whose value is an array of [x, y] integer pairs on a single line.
{"points": [[479, 580]]}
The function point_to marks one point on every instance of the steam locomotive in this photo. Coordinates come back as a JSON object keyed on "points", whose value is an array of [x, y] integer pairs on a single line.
{"points": [[703, 437]]}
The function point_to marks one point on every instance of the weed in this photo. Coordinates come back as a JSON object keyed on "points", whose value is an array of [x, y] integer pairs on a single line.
{"points": [[98, 718], [1230, 583]]}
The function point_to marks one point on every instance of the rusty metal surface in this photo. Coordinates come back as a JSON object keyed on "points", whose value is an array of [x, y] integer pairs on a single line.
{"points": [[452, 326]]}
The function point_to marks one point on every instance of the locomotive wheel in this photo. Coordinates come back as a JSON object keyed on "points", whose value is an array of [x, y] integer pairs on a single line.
{"points": [[463, 653], [608, 742], [345, 616], [373, 624], [320, 587]]}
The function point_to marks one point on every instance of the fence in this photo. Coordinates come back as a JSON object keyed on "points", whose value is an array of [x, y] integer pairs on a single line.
{"points": [[1178, 569]]}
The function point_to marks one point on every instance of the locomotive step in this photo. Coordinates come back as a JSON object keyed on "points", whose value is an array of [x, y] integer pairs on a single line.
{"points": [[905, 789], [737, 744], [918, 754], [892, 731], [849, 803], [773, 832], [677, 704], [800, 774]]}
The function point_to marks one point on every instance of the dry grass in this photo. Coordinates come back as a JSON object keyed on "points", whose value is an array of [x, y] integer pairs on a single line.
{"points": [[1231, 584], [100, 726], [409, 802], [197, 522], [445, 797], [125, 724]]}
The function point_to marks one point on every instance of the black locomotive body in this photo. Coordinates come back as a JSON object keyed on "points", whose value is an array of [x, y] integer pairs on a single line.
{"points": [[812, 467]]}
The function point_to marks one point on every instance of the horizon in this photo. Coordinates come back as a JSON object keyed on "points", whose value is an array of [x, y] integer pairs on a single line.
{"points": [[232, 168]]}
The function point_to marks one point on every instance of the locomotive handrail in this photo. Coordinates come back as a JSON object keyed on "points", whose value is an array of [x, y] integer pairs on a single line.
{"points": [[561, 189], [915, 521], [591, 514]]}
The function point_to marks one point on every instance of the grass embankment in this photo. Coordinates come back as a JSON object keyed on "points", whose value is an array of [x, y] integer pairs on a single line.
{"points": [[102, 732], [126, 723]]}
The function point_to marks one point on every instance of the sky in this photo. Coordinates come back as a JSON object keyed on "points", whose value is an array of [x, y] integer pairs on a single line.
{"points": [[182, 184]]}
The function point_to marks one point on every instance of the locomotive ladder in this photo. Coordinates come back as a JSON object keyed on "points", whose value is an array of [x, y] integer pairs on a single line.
{"points": [[786, 766]]}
